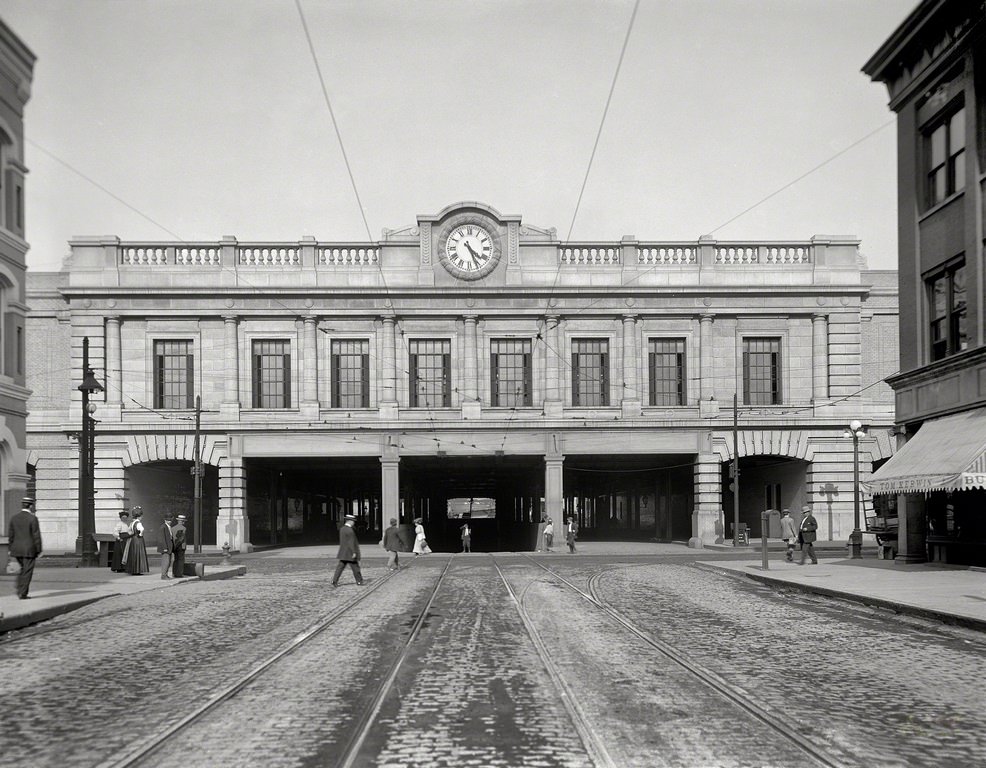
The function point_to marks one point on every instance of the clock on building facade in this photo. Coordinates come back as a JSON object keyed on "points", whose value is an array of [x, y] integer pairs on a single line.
{"points": [[469, 247]]}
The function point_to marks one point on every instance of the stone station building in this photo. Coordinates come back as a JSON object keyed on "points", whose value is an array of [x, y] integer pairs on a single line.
{"points": [[471, 356]]}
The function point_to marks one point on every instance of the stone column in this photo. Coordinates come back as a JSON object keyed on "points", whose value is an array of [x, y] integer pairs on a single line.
{"points": [[309, 375], [552, 358], [114, 367], [554, 491], [631, 391], [819, 358], [233, 524], [707, 516], [230, 408], [390, 488], [388, 356], [470, 400]]}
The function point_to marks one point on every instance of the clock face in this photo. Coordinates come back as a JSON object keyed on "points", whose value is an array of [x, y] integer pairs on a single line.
{"points": [[469, 248]]}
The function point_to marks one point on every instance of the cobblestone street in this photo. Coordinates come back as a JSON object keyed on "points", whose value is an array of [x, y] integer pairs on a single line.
{"points": [[534, 675]]}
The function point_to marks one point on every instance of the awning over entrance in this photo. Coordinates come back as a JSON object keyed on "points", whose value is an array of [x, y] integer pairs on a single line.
{"points": [[947, 454]]}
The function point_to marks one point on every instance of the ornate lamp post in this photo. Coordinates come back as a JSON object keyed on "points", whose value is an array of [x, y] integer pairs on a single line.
{"points": [[855, 431], [87, 444]]}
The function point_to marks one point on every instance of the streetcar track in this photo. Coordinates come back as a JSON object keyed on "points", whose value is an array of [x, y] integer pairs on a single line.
{"points": [[367, 719], [594, 745], [316, 628], [730, 692]]}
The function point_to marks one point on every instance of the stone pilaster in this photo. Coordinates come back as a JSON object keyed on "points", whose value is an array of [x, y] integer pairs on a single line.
{"points": [[233, 524], [230, 407], [309, 375], [553, 353], [820, 358], [554, 490], [114, 369], [708, 407], [707, 516], [388, 354], [471, 408], [631, 401]]}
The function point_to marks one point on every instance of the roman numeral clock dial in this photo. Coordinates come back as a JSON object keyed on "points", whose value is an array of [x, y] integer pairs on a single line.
{"points": [[470, 251]]}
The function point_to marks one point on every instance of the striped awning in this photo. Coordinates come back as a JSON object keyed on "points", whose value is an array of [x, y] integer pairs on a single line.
{"points": [[946, 454]]}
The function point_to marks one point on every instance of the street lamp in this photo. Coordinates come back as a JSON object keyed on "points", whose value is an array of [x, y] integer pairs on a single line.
{"points": [[87, 445], [855, 431]]}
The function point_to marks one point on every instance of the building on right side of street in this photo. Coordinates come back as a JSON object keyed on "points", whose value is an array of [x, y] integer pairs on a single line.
{"points": [[934, 67]]}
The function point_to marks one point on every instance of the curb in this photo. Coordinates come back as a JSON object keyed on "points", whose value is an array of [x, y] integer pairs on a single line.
{"points": [[36, 615], [875, 602]]}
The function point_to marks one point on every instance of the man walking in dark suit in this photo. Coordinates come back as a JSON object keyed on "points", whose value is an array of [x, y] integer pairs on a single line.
{"points": [[179, 534], [24, 536], [392, 543], [808, 529], [348, 552], [165, 546]]}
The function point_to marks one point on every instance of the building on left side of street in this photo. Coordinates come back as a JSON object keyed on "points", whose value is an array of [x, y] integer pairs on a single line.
{"points": [[16, 73]]}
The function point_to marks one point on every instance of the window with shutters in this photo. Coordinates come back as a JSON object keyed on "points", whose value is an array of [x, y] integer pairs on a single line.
{"points": [[350, 360], [174, 374], [271, 373]]}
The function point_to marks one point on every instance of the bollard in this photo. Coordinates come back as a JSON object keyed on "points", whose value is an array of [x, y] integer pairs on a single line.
{"points": [[764, 530], [227, 560]]}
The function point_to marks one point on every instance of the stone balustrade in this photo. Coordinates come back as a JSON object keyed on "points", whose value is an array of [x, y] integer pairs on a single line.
{"points": [[667, 254], [368, 255], [348, 256], [773, 253], [600, 255]]}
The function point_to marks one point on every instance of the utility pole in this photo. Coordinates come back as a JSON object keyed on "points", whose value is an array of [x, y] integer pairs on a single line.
{"points": [[197, 471], [735, 472]]}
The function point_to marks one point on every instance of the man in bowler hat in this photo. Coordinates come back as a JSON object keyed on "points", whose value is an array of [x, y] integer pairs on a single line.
{"points": [[180, 535], [807, 531], [166, 546], [24, 537], [348, 552]]}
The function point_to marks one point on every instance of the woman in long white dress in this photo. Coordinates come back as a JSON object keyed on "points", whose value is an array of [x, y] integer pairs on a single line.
{"points": [[420, 542]]}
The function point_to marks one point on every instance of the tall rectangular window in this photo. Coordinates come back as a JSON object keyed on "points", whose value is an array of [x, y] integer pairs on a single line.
{"points": [[20, 350], [431, 374], [271, 373], [945, 156], [666, 366], [947, 299], [590, 372], [351, 373], [761, 371], [510, 373], [174, 369]]}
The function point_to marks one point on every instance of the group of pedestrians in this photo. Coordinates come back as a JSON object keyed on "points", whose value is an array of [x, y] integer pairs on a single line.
{"points": [[548, 535], [130, 552], [805, 535]]}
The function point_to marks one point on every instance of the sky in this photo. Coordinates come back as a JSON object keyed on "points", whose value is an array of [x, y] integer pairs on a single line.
{"points": [[193, 120]]}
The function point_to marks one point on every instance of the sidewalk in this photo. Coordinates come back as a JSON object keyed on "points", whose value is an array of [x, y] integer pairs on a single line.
{"points": [[950, 594], [58, 588]]}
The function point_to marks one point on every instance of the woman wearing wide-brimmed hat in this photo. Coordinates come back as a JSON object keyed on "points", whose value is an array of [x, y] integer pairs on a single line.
{"points": [[122, 533], [420, 542], [135, 556]]}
